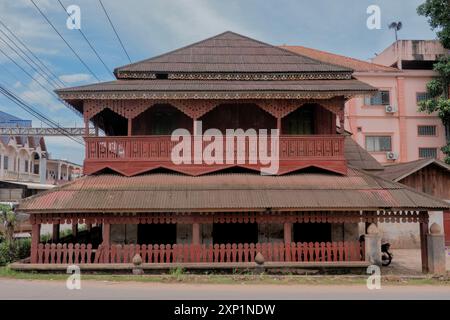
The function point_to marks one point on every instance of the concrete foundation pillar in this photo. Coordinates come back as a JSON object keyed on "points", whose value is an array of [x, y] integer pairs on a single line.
{"points": [[436, 250], [373, 245]]}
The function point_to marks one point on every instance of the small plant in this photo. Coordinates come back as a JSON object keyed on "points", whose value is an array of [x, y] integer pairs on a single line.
{"points": [[177, 272]]}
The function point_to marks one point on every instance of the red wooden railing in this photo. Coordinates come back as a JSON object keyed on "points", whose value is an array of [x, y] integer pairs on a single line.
{"points": [[158, 148], [137, 154], [190, 253]]}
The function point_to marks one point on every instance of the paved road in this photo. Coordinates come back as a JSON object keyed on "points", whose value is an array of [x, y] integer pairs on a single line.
{"points": [[37, 289]]}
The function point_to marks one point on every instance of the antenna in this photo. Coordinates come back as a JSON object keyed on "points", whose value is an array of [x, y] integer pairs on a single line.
{"points": [[396, 26]]}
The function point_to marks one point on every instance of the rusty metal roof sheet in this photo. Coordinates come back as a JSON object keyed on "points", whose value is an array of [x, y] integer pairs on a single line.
{"points": [[118, 86], [229, 191], [400, 171]]}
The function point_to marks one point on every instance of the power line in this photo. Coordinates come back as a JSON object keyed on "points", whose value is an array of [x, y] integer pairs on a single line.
{"points": [[32, 53], [31, 110], [33, 79], [26, 72], [68, 45], [108, 70], [42, 74], [114, 29]]}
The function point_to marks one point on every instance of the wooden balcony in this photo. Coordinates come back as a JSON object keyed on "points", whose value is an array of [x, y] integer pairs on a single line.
{"points": [[131, 155]]}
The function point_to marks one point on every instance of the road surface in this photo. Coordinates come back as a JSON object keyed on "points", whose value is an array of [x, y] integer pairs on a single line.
{"points": [[38, 289]]}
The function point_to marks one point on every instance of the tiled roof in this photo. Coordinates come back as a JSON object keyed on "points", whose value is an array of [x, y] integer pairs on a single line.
{"points": [[230, 52], [400, 171], [162, 192], [328, 57]]}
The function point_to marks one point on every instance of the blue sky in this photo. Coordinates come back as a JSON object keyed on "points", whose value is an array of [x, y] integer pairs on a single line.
{"points": [[152, 27]]}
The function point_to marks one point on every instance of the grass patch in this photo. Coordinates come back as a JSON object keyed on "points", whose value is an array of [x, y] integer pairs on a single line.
{"points": [[181, 276]]}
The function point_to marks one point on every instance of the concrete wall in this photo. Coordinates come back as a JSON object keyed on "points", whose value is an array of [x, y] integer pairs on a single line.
{"points": [[402, 125], [406, 235]]}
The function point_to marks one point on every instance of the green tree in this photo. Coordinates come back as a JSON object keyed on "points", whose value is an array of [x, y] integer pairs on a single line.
{"points": [[438, 14], [8, 221]]}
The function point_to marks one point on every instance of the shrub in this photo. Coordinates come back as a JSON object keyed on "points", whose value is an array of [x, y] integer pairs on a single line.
{"points": [[19, 249]]}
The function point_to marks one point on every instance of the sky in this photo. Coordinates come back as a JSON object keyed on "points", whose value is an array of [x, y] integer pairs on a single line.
{"points": [[152, 27]]}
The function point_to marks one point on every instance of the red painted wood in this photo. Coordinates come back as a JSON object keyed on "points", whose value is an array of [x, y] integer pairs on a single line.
{"points": [[195, 253], [137, 154], [447, 227]]}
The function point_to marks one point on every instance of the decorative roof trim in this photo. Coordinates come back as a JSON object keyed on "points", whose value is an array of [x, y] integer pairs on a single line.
{"points": [[237, 76], [212, 95]]}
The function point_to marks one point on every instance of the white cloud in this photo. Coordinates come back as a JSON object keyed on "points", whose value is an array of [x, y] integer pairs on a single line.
{"points": [[35, 94], [76, 77]]}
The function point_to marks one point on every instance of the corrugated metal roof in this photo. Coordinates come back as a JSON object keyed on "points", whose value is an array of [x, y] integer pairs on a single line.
{"points": [[175, 192], [118, 86], [399, 171]]}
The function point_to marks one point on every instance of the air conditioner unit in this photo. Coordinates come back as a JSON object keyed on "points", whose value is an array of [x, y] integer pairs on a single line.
{"points": [[391, 109], [391, 155]]}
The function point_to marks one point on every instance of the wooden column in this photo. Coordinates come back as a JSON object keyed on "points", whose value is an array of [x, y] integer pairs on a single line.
{"points": [[424, 245], [74, 229], [130, 126], [55, 233], [86, 126], [106, 234], [106, 230], [35, 239], [279, 125], [287, 232], [195, 233]]}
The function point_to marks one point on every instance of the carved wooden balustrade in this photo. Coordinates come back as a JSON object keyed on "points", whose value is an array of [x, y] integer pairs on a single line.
{"points": [[131, 155], [201, 253]]}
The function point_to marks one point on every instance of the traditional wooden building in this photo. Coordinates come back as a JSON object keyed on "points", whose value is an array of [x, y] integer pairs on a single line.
{"points": [[226, 211], [430, 176]]}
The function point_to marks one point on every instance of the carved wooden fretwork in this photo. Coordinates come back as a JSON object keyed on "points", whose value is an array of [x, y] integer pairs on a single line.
{"points": [[280, 108], [228, 95], [129, 109], [234, 217], [194, 109]]}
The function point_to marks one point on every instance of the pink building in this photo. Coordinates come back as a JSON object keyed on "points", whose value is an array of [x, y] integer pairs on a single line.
{"points": [[388, 124]]}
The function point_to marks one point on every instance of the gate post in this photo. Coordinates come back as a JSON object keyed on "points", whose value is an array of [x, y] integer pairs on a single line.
{"points": [[373, 245]]}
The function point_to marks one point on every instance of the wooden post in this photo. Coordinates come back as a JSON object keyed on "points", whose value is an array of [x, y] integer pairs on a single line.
{"points": [[55, 233], [424, 245], [130, 124], [106, 243], [195, 233], [74, 230], [287, 232], [86, 126], [279, 125], [35, 239]]}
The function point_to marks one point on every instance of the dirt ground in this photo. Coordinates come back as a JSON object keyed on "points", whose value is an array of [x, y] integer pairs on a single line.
{"points": [[408, 262]]}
